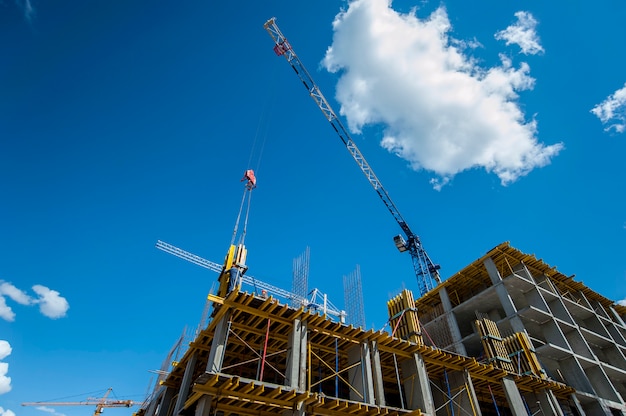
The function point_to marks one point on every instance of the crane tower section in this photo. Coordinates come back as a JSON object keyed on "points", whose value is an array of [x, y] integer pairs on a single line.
{"points": [[425, 270]]}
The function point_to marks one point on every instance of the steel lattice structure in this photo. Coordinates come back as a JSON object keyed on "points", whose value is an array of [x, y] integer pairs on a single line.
{"points": [[425, 270]]}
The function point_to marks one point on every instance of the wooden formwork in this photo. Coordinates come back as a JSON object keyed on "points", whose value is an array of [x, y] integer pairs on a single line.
{"points": [[493, 345], [403, 317], [523, 355], [513, 353], [252, 379]]}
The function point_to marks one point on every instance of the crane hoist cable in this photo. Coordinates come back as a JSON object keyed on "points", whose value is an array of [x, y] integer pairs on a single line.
{"points": [[250, 178], [262, 129], [426, 272]]}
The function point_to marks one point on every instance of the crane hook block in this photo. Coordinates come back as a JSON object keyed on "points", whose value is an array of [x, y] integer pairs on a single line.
{"points": [[249, 176]]}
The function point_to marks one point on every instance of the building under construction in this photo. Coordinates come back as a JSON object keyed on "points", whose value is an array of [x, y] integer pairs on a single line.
{"points": [[578, 336], [507, 335]]}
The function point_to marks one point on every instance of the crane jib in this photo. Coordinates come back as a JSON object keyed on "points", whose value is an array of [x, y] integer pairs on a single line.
{"points": [[425, 270]]}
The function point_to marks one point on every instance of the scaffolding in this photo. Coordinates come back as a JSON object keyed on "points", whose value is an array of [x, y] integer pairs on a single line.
{"points": [[258, 356]]}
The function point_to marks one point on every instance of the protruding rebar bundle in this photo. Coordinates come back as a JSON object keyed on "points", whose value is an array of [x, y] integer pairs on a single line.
{"points": [[300, 282], [353, 298]]}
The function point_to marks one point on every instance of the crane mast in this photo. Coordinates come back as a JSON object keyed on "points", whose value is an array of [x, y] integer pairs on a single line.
{"points": [[425, 270]]}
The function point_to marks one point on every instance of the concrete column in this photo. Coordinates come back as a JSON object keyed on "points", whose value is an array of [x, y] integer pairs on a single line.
{"points": [[218, 346], [417, 390], [513, 397], [455, 333], [503, 296], [295, 377], [154, 402], [203, 406], [186, 382], [304, 356], [377, 374], [548, 404], [616, 315], [360, 376], [577, 405], [166, 402], [292, 374]]}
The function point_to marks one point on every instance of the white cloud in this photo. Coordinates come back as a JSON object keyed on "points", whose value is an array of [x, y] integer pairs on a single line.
{"points": [[612, 111], [13, 293], [5, 349], [27, 8], [7, 289], [6, 412], [440, 110], [49, 410], [622, 302], [523, 34], [5, 382], [51, 304], [6, 312]]}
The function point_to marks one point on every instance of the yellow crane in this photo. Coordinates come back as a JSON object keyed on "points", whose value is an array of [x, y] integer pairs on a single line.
{"points": [[100, 403]]}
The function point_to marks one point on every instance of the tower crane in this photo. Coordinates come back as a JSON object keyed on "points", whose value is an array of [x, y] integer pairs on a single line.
{"points": [[100, 403], [425, 270], [232, 272]]}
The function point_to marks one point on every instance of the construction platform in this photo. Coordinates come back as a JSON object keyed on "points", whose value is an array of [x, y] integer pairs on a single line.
{"points": [[258, 356]]}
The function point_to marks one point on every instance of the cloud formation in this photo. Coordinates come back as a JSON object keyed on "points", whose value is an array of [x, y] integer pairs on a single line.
{"points": [[439, 110], [622, 302], [612, 111], [6, 412], [49, 410], [27, 8], [523, 34], [51, 303], [5, 381]]}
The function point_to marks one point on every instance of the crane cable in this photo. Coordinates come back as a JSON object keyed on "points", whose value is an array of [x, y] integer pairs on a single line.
{"points": [[263, 125], [264, 119], [250, 185], [245, 223], [243, 200]]}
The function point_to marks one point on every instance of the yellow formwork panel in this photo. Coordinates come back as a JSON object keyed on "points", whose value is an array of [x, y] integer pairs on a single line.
{"points": [[403, 317], [248, 318]]}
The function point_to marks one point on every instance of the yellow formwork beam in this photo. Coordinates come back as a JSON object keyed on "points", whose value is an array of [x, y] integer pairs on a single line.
{"points": [[244, 311]]}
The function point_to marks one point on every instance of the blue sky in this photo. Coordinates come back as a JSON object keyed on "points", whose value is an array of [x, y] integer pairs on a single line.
{"points": [[125, 123]]}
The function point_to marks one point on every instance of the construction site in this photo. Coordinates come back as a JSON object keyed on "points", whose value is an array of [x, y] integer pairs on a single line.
{"points": [[506, 335]]}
